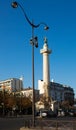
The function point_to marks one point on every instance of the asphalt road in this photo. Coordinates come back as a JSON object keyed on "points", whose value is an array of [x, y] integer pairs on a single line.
{"points": [[11, 123], [16, 123]]}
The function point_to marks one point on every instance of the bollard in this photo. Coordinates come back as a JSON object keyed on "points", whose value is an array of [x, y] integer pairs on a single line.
{"points": [[56, 125], [74, 126]]}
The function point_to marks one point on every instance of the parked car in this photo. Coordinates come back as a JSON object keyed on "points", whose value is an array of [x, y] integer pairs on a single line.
{"points": [[51, 114], [43, 113], [61, 113], [75, 112], [47, 113], [71, 113]]}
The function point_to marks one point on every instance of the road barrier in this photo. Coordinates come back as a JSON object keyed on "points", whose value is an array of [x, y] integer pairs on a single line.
{"points": [[52, 124]]}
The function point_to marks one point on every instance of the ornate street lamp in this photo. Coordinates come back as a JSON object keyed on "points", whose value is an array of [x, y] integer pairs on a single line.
{"points": [[34, 42]]}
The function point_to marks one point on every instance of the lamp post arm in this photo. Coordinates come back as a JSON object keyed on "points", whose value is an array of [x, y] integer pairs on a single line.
{"points": [[33, 25], [16, 4]]}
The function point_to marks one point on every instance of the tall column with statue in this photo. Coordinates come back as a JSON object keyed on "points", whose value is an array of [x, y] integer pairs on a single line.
{"points": [[46, 68]]}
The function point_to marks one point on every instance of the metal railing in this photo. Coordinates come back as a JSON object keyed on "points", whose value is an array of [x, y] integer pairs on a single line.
{"points": [[52, 124]]}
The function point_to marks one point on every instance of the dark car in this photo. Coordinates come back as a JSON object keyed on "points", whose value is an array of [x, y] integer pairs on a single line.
{"points": [[75, 113], [71, 112], [51, 114], [47, 113]]}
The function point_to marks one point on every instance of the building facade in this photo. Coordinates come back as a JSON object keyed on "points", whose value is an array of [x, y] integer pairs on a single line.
{"points": [[11, 85], [57, 92], [28, 92]]}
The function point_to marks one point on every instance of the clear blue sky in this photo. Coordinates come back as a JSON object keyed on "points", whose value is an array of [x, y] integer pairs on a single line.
{"points": [[15, 33]]}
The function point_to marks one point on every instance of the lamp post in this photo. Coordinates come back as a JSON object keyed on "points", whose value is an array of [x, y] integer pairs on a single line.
{"points": [[3, 100], [34, 42]]}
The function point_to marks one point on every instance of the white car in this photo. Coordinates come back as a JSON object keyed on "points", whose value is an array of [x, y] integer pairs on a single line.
{"points": [[43, 113]]}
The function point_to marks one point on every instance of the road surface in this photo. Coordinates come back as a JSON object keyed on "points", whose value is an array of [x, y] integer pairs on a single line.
{"points": [[15, 123]]}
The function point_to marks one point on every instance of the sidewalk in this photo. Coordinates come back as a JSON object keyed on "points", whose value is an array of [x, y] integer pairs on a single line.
{"points": [[46, 128]]}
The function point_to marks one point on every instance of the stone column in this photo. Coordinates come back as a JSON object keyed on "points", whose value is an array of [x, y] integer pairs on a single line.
{"points": [[46, 69]]}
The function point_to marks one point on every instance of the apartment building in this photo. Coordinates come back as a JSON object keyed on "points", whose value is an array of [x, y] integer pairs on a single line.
{"points": [[11, 85], [28, 92], [57, 91]]}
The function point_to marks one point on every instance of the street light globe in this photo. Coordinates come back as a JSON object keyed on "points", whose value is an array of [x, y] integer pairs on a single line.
{"points": [[14, 4], [46, 28]]}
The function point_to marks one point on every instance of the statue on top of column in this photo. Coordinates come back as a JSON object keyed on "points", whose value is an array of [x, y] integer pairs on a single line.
{"points": [[45, 40]]}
